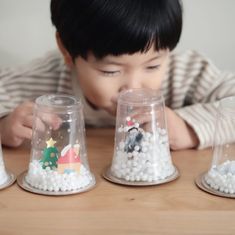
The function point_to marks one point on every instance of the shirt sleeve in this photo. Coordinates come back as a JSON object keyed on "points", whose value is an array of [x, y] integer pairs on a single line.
{"points": [[44, 75], [204, 87]]}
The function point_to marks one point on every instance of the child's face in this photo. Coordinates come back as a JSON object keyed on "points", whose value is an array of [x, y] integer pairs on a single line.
{"points": [[102, 80]]}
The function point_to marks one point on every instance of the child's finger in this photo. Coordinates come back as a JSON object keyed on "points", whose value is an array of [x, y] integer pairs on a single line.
{"points": [[24, 132], [52, 120], [29, 121], [143, 118]]}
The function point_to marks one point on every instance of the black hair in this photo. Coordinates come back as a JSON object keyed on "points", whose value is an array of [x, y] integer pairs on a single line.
{"points": [[116, 27]]}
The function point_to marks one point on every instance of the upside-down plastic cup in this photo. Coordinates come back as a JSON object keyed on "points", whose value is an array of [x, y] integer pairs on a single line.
{"points": [[141, 153], [220, 178], [6, 177], [58, 164]]}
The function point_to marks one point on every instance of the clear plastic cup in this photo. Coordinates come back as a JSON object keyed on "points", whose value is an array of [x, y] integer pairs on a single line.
{"points": [[221, 175], [6, 177], [59, 162], [141, 153]]}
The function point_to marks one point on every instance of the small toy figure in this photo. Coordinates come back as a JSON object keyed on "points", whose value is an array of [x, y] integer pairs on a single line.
{"points": [[134, 137], [50, 155], [69, 161]]}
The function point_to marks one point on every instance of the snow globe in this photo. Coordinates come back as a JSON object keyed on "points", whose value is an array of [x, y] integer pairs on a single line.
{"points": [[6, 177], [220, 178], [58, 164], [141, 152]]}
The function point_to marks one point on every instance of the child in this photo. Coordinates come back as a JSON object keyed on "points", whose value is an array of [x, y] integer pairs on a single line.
{"points": [[109, 46]]}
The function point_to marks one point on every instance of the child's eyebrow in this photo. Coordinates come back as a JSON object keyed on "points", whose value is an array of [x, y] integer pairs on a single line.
{"points": [[111, 62], [107, 61], [154, 58]]}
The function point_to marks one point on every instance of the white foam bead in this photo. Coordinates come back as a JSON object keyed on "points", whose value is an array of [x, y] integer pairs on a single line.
{"points": [[123, 166], [141, 156], [132, 178], [150, 179], [135, 169], [142, 162], [63, 189], [163, 131], [127, 178], [121, 145], [120, 129], [150, 171], [148, 135], [125, 129], [221, 189], [137, 125], [129, 163], [148, 164], [68, 187], [129, 155], [50, 189], [144, 149], [144, 177], [135, 153], [231, 191], [137, 178], [135, 163], [144, 143], [56, 189], [139, 167]]}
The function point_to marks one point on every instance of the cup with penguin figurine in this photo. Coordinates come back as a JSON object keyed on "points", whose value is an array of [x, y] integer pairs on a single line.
{"points": [[141, 153]]}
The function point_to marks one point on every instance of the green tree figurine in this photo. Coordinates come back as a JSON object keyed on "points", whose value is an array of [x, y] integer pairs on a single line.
{"points": [[50, 155]]}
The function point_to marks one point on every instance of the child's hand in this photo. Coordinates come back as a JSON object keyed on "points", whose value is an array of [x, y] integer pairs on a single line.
{"points": [[181, 135], [17, 126]]}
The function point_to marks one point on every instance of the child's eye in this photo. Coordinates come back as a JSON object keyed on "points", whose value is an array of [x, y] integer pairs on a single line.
{"points": [[110, 73], [153, 67]]}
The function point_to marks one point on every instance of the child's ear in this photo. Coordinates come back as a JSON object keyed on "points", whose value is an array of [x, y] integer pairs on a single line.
{"points": [[67, 57]]}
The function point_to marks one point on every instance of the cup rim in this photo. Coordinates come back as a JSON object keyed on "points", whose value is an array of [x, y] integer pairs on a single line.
{"points": [[40, 101], [155, 98]]}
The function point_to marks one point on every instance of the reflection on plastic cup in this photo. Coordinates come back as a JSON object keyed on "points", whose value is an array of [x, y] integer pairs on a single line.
{"points": [[4, 177], [141, 141], [221, 175], [58, 154]]}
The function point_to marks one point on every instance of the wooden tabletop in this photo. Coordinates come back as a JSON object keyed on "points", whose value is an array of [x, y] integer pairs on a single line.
{"points": [[178, 207]]}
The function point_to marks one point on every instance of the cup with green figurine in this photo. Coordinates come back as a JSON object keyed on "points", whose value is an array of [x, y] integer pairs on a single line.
{"points": [[59, 163]]}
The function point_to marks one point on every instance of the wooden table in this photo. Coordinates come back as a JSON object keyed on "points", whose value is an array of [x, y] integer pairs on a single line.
{"points": [[178, 207]]}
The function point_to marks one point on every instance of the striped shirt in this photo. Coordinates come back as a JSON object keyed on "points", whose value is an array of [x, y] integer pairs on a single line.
{"points": [[192, 88]]}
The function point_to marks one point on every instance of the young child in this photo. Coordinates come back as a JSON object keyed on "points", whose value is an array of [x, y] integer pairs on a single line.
{"points": [[109, 46]]}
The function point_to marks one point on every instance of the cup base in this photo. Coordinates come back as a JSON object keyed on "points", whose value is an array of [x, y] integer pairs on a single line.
{"points": [[11, 180], [24, 185], [201, 184], [108, 176]]}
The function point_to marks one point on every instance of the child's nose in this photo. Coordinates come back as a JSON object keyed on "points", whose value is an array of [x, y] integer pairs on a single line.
{"points": [[131, 83]]}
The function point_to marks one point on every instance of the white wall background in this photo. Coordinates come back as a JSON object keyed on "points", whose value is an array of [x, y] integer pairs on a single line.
{"points": [[26, 31]]}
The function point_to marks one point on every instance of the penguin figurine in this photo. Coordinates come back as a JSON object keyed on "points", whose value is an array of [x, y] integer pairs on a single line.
{"points": [[134, 138]]}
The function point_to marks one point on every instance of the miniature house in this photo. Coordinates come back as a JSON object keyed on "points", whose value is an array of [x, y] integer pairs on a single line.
{"points": [[69, 161]]}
